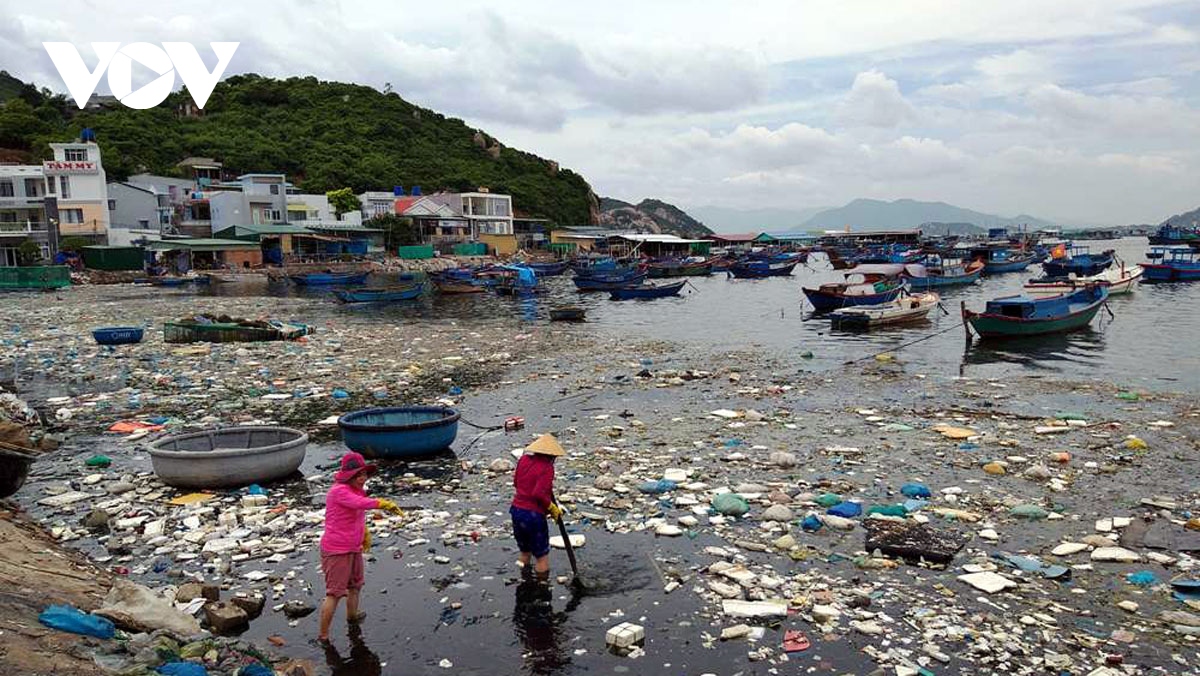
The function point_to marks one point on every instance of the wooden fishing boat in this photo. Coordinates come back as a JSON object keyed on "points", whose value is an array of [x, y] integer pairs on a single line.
{"points": [[647, 291], [1012, 316], [171, 281], [1174, 265], [688, 267], [451, 287], [572, 313], [329, 278], [838, 295], [233, 332], [608, 282], [997, 260], [751, 269], [549, 269], [905, 309], [1079, 262], [234, 277], [399, 432], [118, 335], [1119, 280], [945, 274], [383, 294]]}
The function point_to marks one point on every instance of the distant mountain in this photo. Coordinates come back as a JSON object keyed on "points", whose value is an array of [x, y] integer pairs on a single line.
{"points": [[724, 219], [650, 216], [1185, 219], [865, 214]]}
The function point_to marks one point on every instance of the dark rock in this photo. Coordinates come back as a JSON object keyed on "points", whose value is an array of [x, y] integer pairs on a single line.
{"points": [[252, 605], [97, 519], [194, 590], [911, 541], [224, 618], [297, 609]]}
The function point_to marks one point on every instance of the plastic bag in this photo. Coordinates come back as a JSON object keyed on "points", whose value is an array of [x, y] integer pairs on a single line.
{"points": [[182, 669], [846, 510], [74, 620], [730, 504]]}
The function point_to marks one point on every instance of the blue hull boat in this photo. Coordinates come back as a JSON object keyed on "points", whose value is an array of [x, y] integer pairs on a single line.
{"points": [[379, 295], [1014, 316], [761, 269], [946, 276], [1080, 265], [399, 432], [1174, 265], [549, 269], [830, 297], [608, 282], [118, 335], [330, 278], [647, 291]]}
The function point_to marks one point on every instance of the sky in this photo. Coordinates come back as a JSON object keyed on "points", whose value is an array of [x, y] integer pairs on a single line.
{"points": [[1080, 111]]}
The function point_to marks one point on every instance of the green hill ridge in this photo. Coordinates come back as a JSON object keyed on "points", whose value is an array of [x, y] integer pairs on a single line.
{"points": [[323, 135]]}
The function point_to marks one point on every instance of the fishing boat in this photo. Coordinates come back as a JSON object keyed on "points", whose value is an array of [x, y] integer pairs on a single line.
{"points": [[1012, 316], [687, 267], [634, 291], [118, 335], [608, 282], [382, 294], [607, 269], [452, 287], [1076, 261], [228, 457], [330, 278], [549, 269], [838, 295], [233, 277], [940, 273], [171, 281], [1000, 260], [209, 331], [1174, 265], [399, 432], [903, 310], [1119, 280], [752, 269], [1171, 235], [572, 313]]}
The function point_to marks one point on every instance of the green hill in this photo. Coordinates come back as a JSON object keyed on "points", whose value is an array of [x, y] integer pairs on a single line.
{"points": [[324, 135]]}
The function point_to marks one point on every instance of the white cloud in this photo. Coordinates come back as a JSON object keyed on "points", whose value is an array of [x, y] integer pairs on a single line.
{"points": [[875, 101], [1012, 73]]}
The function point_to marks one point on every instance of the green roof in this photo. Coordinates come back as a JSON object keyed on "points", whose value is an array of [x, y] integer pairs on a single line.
{"points": [[344, 227], [202, 244], [257, 232]]}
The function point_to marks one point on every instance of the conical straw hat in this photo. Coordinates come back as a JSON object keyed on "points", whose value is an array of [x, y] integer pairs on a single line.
{"points": [[546, 445]]}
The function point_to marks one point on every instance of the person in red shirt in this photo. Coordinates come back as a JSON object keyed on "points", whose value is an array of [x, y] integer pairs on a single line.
{"points": [[534, 484], [346, 538]]}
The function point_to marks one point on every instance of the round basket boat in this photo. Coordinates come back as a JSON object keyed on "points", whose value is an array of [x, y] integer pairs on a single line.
{"points": [[14, 468], [118, 335], [399, 432], [228, 457]]}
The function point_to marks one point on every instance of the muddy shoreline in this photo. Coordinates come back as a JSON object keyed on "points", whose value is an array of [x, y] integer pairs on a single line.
{"points": [[446, 589]]}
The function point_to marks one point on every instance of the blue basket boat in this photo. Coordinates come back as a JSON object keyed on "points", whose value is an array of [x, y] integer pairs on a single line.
{"points": [[118, 335], [399, 432], [330, 278]]}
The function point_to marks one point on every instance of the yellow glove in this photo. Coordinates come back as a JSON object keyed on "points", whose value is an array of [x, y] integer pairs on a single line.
{"points": [[390, 506], [366, 543], [556, 512]]}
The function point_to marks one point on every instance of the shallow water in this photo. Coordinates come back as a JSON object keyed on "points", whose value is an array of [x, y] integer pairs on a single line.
{"points": [[725, 314]]}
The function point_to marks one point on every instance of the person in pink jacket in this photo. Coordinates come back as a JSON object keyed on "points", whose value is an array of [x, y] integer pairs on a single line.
{"points": [[346, 538]]}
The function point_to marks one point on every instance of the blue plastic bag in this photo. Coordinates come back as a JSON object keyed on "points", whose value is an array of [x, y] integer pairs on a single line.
{"points": [[915, 491], [1142, 578], [255, 669], [74, 620], [660, 486], [182, 669], [848, 510], [811, 523]]}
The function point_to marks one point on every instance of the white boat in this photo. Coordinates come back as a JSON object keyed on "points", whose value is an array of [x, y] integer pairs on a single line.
{"points": [[905, 309], [1119, 279], [234, 277]]}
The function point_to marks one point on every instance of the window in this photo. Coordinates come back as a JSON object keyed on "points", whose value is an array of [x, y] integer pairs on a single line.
{"points": [[143, 223], [274, 188], [8, 217], [6, 189], [112, 205], [65, 183], [70, 215], [50, 186], [33, 187], [75, 155]]}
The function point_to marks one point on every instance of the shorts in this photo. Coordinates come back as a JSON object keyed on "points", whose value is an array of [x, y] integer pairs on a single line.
{"points": [[531, 532], [342, 572]]}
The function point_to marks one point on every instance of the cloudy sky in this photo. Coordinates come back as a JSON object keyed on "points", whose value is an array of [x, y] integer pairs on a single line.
{"points": [[1084, 111]]}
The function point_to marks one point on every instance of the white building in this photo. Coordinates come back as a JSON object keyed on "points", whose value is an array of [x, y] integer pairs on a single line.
{"points": [[76, 178], [310, 210], [376, 203], [488, 213]]}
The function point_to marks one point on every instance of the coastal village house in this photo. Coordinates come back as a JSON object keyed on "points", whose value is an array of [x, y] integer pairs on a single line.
{"points": [[63, 197]]}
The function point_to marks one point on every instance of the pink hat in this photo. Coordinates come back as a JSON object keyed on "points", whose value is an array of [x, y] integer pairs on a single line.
{"points": [[352, 464]]}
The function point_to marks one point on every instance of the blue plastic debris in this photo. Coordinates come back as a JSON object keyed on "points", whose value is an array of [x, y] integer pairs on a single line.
{"points": [[660, 486], [75, 621], [1142, 578], [340, 394], [255, 489], [847, 510], [915, 491], [811, 523], [182, 669], [455, 390]]}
